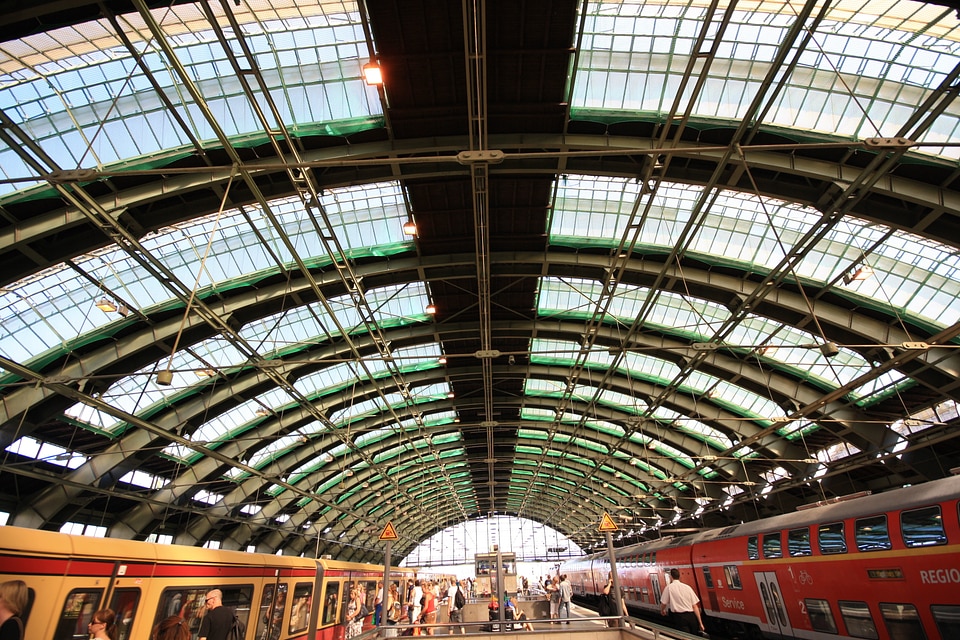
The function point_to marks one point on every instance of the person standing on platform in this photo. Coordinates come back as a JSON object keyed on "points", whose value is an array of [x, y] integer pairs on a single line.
{"points": [[553, 595], [566, 596], [429, 614], [353, 618], [378, 604], [456, 600], [13, 600], [393, 610], [683, 603], [611, 605], [416, 604], [218, 619]]}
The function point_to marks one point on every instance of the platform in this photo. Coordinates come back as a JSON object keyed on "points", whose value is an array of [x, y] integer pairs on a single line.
{"points": [[583, 624]]}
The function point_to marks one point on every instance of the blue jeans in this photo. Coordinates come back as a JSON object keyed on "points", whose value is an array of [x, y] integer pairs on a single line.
{"points": [[564, 610]]}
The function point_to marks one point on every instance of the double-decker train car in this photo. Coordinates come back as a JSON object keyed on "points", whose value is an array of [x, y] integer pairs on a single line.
{"points": [[277, 597], [883, 566]]}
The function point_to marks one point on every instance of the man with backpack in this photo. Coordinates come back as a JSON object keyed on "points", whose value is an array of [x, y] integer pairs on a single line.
{"points": [[456, 601]]}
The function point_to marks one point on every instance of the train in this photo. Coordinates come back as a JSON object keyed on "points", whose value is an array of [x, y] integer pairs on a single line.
{"points": [[277, 597], [884, 566]]}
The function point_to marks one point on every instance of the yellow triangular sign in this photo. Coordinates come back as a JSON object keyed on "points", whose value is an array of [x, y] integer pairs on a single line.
{"points": [[607, 523], [389, 533]]}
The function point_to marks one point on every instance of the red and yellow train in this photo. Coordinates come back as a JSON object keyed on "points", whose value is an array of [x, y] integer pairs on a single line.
{"points": [[278, 597], [883, 566]]}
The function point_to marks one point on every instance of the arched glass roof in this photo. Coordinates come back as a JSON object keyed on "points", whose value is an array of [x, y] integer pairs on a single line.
{"points": [[675, 256]]}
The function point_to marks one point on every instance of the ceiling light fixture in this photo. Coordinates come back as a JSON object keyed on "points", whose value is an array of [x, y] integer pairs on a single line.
{"points": [[410, 227], [372, 74], [863, 272], [431, 309], [106, 305]]}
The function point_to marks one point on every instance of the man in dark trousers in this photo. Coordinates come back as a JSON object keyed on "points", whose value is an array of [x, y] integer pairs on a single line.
{"points": [[683, 603], [218, 618]]}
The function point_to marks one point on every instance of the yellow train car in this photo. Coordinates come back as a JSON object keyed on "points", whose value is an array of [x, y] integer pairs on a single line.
{"points": [[278, 597]]}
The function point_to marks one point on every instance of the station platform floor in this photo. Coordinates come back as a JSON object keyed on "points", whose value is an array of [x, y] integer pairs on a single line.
{"points": [[582, 625]]}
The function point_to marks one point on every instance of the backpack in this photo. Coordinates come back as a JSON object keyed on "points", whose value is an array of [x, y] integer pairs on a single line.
{"points": [[237, 630], [603, 606], [458, 599]]}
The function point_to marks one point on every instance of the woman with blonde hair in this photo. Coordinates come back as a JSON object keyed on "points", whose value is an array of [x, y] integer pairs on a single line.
{"points": [[103, 625], [171, 628], [393, 611], [13, 600]]}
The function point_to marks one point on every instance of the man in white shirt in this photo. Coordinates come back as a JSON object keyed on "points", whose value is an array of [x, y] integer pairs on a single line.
{"points": [[455, 612], [415, 602], [566, 596], [683, 603]]}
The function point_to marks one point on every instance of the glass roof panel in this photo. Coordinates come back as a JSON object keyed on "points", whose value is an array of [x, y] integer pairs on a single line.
{"points": [[79, 92], [863, 67], [54, 307], [920, 278]]}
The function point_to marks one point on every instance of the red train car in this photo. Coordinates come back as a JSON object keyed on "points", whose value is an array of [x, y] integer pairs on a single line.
{"points": [[278, 597], [884, 566]]}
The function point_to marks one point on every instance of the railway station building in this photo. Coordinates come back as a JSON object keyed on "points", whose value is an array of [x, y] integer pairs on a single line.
{"points": [[276, 273]]}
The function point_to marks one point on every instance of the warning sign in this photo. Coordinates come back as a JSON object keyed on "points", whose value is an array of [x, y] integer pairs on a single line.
{"points": [[607, 523], [389, 533]]}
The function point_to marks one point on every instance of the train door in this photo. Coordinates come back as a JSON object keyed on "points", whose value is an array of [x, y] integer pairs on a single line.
{"points": [[776, 611], [655, 583]]}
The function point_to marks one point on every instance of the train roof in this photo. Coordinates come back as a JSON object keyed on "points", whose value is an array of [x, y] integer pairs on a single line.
{"points": [[911, 497]]}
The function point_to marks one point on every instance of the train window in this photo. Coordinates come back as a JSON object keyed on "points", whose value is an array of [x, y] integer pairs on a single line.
{"points": [[772, 546], [124, 602], [830, 537], [189, 603], [707, 578], [300, 609], [186, 603], [856, 616], [732, 574], [798, 542], [77, 612], [370, 592], [947, 617], [903, 621], [272, 604], [821, 618], [345, 594], [871, 534], [330, 599], [753, 551], [922, 527]]}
